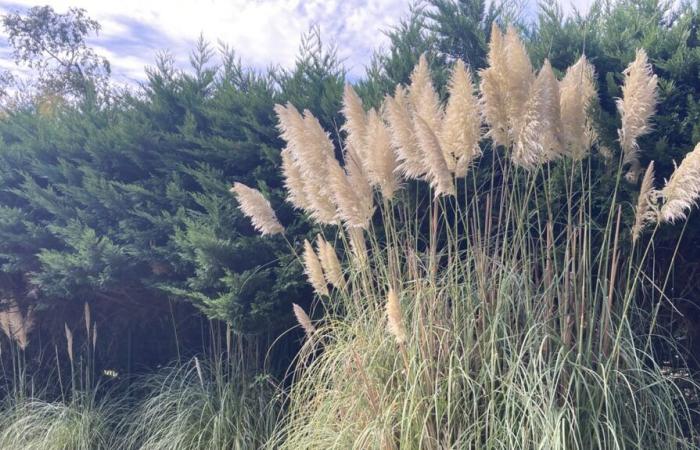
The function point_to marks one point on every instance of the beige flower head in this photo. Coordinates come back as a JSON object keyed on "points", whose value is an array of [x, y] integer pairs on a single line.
{"points": [[256, 207]]}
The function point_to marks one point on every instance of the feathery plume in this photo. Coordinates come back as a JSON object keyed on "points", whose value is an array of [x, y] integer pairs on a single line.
{"points": [[352, 192], [519, 77], [438, 174], [16, 325], [424, 99], [355, 121], [330, 263], [538, 141], [394, 320], [311, 150], [683, 188], [256, 207], [461, 127], [578, 93], [639, 97], [86, 316], [293, 182], [645, 212], [313, 270], [94, 336], [380, 162], [303, 319], [69, 342], [493, 90], [398, 116]]}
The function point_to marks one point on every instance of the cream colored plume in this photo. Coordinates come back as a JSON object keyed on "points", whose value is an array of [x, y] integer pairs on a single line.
{"points": [[16, 325], [538, 141], [332, 269], [310, 150], [646, 211], [424, 99], [493, 90], [395, 324], [439, 175], [69, 341], [519, 77], [639, 97], [256, 207], [303, 319], [352, 192], [683, 188], [293, 182], [380, 162], [355, 121], [461, 126], [578, 94], [398, 116], [313, 269]]}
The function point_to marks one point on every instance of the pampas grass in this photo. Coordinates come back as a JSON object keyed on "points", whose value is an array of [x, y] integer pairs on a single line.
{"points": [[256, 207], [538, 140], [639, 97], [682, 190], [521, 307], [578, 94], [332, 269], [380, 162], [16, 325], [646, 210], [424, 100], [394, 320], [314, 270], [493, 89], [303, 319], [461, 127], [438, 174], [398, 116]]}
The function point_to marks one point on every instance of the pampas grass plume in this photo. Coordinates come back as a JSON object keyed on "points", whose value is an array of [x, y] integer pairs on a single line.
{"points": [[461, 127], [256, 207], [395, 324], [314, 270], [303, 319], [330, 263], [639, 97], [424, 99], [398, 115], [380, 162], [519, 77], [355, 121], [493, 89], [683, 188], [69, 341], [16, 325], [439, 175], [577, 94], [645, 211]]}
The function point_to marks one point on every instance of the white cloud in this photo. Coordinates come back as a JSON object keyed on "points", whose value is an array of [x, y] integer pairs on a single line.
{"points": [[262, 32]]}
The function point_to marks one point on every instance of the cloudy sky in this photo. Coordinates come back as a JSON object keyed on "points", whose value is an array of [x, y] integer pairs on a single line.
{"points": [[262, 32]]}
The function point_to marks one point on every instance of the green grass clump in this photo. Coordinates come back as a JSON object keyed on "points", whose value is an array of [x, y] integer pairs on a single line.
{"points": [[34, 424], [200, 406]]}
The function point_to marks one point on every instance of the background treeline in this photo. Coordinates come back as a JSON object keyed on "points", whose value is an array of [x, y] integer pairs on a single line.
{"points": [[120, 198]]}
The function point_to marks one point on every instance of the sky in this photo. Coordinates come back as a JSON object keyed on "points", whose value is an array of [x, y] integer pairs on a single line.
{"points": [[262, 32]]}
